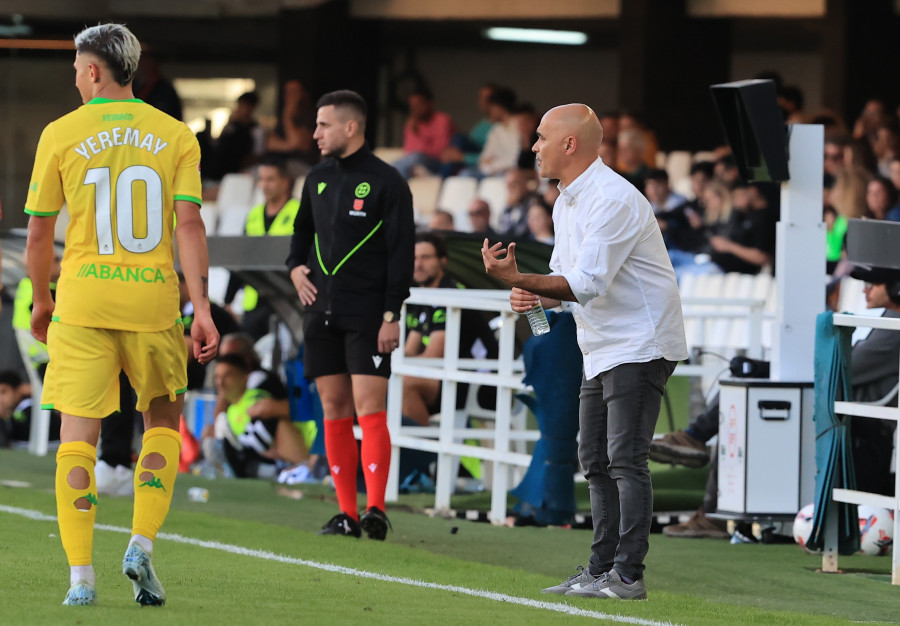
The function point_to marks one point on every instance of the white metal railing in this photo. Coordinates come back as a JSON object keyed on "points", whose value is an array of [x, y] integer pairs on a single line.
{"points": [[830, 554], [504, 373]]}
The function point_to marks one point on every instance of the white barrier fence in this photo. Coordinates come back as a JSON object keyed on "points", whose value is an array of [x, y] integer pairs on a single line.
{"points": [[892, 413], [509, 433]]}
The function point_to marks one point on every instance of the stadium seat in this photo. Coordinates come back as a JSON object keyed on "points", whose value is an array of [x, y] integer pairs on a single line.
{"points": [[457, 194], [388, 155], [218, 284], [678, 164], [257, 196], [62, 222], [210, 218], [493, 190], [231, 221], [235, 191], [425, 191]]}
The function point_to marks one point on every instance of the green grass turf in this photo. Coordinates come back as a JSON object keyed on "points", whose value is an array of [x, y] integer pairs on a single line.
{"points": [[689, 581]]}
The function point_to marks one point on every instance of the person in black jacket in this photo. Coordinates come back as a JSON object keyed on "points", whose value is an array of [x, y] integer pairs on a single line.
{"points": [[351, 262]]}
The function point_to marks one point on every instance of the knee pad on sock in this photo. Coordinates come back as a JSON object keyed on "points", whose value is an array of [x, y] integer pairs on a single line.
{"points": [[343, 458], [376, 456], [76, 499], [154, 480]]}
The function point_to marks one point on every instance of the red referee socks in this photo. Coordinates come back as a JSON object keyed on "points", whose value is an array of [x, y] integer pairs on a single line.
{"points": [[340, 448], [376, 456]]}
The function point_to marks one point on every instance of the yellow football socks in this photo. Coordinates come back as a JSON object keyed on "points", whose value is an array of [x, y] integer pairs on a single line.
{"points": [[76, 499], [154, 480]]}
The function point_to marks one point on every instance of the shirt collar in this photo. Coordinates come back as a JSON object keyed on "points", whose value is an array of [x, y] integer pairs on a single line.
{"points": [[577, 185]]}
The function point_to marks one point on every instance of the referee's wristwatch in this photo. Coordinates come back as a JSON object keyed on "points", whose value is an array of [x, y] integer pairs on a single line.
{"points": [[390, 316]]}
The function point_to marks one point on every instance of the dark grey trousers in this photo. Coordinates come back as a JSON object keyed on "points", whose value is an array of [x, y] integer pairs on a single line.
{"points": [[617, 417]]}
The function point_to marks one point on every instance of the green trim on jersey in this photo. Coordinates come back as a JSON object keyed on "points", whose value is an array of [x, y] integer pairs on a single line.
{"points": [[54, 318], [49, 407], [41, 213], [109, 100], [349, 254], [189, 199], [178, 392]]}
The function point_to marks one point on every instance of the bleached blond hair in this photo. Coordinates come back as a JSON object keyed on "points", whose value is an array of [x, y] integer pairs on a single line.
{"points": [[113, 44]]}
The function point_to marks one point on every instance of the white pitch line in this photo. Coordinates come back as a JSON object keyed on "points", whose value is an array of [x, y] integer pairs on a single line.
{"points": [[339, 569]]}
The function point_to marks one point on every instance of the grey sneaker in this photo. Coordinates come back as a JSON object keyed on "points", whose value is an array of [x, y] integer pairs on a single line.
{"points": [[148, 591], [81, 594], [577, 580], [611, 585]]}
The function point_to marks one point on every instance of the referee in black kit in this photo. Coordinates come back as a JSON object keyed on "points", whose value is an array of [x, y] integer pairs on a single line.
{"points": [[351, 262]]}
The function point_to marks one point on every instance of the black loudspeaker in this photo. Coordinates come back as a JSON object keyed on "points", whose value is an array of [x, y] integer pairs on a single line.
{"points": [[749, 113]]}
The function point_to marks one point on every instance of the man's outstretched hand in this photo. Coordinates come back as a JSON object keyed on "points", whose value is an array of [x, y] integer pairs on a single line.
{"points": [[505, 270]]}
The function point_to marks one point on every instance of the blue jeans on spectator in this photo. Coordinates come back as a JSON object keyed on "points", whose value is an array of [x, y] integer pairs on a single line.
{"points": [[617, 416], [690, 263], [408, 162]]}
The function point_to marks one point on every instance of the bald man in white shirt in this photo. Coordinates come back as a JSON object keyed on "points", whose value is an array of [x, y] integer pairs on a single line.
{"points": [[611, 269]]}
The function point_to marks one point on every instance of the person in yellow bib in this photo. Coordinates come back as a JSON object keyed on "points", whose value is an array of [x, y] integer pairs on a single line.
{"points": [[125, 170], [274, 217]]}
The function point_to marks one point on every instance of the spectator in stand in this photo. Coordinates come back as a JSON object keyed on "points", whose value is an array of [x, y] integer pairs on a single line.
{"points": [[465, 149], [441, 220], [885, 145], [293, 136], [155, 89], [894, 171], [873, 115], [749, 242], [881, 200], [480, 218], [528, 119], [504, 143], [726, 171], [609, 153], [426, 135], [425, 327], [790, 101], [520, 186], [660, 194], [609, 121], [630, 149], [834, 155], [632, 121], [852, 181], [702, 173], [240, 144], [540, 221]]}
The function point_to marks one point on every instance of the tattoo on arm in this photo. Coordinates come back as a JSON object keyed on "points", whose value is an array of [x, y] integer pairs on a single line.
{"points": [[205, 281]]}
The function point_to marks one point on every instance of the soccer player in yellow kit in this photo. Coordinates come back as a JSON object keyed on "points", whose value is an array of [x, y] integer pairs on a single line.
{"points": [[125, 171]]}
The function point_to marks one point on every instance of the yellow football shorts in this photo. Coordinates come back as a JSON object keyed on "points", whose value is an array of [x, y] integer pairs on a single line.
{"points": [[82, 377]]}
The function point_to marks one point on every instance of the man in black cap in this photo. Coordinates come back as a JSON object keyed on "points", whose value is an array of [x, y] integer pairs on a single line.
{"points": [[875, 362]]}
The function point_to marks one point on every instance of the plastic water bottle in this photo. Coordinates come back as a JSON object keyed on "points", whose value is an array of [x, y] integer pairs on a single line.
{"points": [[537, 319], [198, 494]]}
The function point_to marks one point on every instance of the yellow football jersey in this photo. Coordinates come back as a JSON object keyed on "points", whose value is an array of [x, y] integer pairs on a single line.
{"points": [[119, 165]]}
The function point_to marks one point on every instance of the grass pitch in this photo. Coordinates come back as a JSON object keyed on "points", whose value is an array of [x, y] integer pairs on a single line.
{"points": [[688, 581]]}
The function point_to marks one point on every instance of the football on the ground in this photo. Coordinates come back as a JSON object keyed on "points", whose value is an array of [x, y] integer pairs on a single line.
{"points": [[803, 525], [876, 530]]}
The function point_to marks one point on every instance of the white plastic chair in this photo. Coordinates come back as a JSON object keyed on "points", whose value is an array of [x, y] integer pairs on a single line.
{"points": [[678, 164], [235, 191], [298, 186], [457, 194], [387, 154], [232, 220], [425, 191], [493, 191]]}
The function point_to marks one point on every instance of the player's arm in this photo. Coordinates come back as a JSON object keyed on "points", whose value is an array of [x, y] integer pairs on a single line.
{"points": [[39, 252], [435, 347], [301, 241], [413, 343], [194, 257]]}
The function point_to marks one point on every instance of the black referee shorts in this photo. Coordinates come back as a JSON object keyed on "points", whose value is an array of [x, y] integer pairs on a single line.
{"points": [[343, 344]]}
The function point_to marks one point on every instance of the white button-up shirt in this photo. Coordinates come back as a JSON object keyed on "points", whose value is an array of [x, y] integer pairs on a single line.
{"points": [[611, 252]]}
